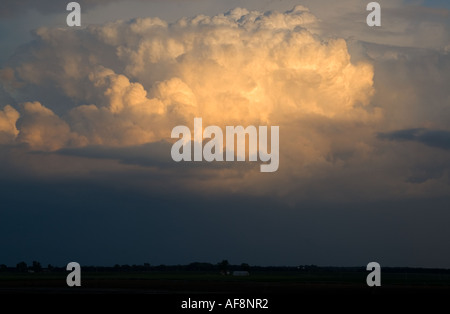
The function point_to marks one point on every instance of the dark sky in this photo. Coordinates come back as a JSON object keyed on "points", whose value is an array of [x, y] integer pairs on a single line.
{"points": [[86, 116], [63, 221]]}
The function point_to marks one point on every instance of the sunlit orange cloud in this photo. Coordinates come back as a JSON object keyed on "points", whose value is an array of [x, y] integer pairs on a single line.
{"points": [[240, 68], [130, 83]]}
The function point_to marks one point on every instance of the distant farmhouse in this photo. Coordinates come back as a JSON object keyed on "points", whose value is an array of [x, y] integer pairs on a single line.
{"points": [[241, 273]]}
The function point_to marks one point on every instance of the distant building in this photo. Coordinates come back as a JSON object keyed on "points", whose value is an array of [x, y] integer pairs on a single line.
{"points": [[241, 273]]}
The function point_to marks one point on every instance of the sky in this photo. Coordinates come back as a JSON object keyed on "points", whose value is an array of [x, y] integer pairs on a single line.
{"points": [[86, 115]]}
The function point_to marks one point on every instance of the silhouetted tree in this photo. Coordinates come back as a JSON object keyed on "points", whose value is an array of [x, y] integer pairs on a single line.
{"points": [[245, 267], [3, 267], [21, 267], [161, 267], [223, 266], [36, 267]]}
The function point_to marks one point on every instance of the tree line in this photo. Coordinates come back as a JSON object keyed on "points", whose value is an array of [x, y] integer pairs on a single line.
{"points": [[223, 266]]}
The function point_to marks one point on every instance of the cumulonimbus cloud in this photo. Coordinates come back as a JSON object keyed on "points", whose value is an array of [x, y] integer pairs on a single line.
{"points": [[105, 89], [129, 83]]}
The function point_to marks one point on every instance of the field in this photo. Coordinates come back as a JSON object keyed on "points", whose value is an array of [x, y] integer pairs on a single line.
{"points": [[341, 281]]}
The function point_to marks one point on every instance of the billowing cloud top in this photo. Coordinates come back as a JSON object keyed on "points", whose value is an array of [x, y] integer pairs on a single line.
{"points": [[128, 83]]}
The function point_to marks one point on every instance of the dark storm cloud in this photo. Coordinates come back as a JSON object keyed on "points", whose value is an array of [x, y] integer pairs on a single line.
{"points": [[433, 138], [155, 154], [147, 155], [57, 222]]}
